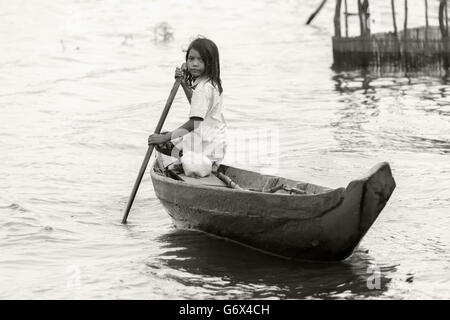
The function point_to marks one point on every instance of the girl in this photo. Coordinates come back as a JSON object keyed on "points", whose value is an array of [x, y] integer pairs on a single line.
{"points": [[203, 144]]}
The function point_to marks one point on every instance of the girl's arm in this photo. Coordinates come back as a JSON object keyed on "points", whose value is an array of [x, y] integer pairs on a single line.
{"points": [[187, 127], [180, 75]]}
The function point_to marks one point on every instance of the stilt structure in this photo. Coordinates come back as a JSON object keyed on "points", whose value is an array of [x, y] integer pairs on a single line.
{"points": [[408, 50]]}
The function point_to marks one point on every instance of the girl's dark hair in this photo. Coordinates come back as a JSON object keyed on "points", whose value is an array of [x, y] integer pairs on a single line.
{"points": [[210, 56]]}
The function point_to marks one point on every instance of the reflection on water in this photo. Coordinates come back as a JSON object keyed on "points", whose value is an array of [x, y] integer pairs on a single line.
{"points": [[238, 272], [365, 96]]}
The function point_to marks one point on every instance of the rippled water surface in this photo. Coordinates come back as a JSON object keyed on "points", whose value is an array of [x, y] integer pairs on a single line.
{"points": [[82, 84]]}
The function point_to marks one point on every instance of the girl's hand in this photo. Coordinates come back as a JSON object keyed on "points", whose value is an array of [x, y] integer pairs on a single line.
{"points": [[159, 138], [180, 73]]}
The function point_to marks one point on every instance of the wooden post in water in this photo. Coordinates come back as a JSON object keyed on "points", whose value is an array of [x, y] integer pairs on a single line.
{"points": [[446, 17], [425, 48], [367, 41], [405, 37], [313, 15], [365, 45], [337, 19], [397, 56], [444, 33], [360, 51], [366, 17], [346, 18], [441, 17], [338, 52], [405, 25], [446, 53], [393, 17], [360, 15]]}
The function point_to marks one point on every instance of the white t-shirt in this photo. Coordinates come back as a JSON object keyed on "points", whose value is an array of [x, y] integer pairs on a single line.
{"points": [[210, 137]]}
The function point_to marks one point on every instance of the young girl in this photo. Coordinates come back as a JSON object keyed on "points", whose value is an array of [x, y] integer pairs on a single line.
{"points": [[203, 144]]}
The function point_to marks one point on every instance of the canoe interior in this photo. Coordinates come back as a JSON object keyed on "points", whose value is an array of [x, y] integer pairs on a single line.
{"points": [[253, 180]]}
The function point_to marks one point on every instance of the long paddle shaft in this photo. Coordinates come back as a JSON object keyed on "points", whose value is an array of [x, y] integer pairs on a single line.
{"points": [[172, 95]]}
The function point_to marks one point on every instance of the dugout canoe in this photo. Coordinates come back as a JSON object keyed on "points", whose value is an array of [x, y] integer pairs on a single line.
{"points": [[324, 224]]}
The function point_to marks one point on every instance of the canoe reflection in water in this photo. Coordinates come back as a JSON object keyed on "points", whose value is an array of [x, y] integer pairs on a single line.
{"points": [[210, 268]]}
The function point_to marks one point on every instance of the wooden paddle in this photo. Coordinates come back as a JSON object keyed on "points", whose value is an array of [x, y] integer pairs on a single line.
{"points": [[172, 95]]}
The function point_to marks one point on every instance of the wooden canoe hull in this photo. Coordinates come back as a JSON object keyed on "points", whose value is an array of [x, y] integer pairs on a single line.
{"points": [[321, 227]]}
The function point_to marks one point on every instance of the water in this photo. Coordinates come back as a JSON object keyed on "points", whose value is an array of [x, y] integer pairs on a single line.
{"points": [[82, 84]]}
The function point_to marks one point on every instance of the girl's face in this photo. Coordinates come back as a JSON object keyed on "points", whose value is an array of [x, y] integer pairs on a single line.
{"points": [[195, 63]]}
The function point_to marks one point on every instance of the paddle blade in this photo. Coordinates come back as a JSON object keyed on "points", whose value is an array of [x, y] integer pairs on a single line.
{"points": [[137, 183]]}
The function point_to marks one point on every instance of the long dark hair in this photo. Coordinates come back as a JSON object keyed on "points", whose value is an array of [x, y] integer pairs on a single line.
{"points": [[210, 56]]}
